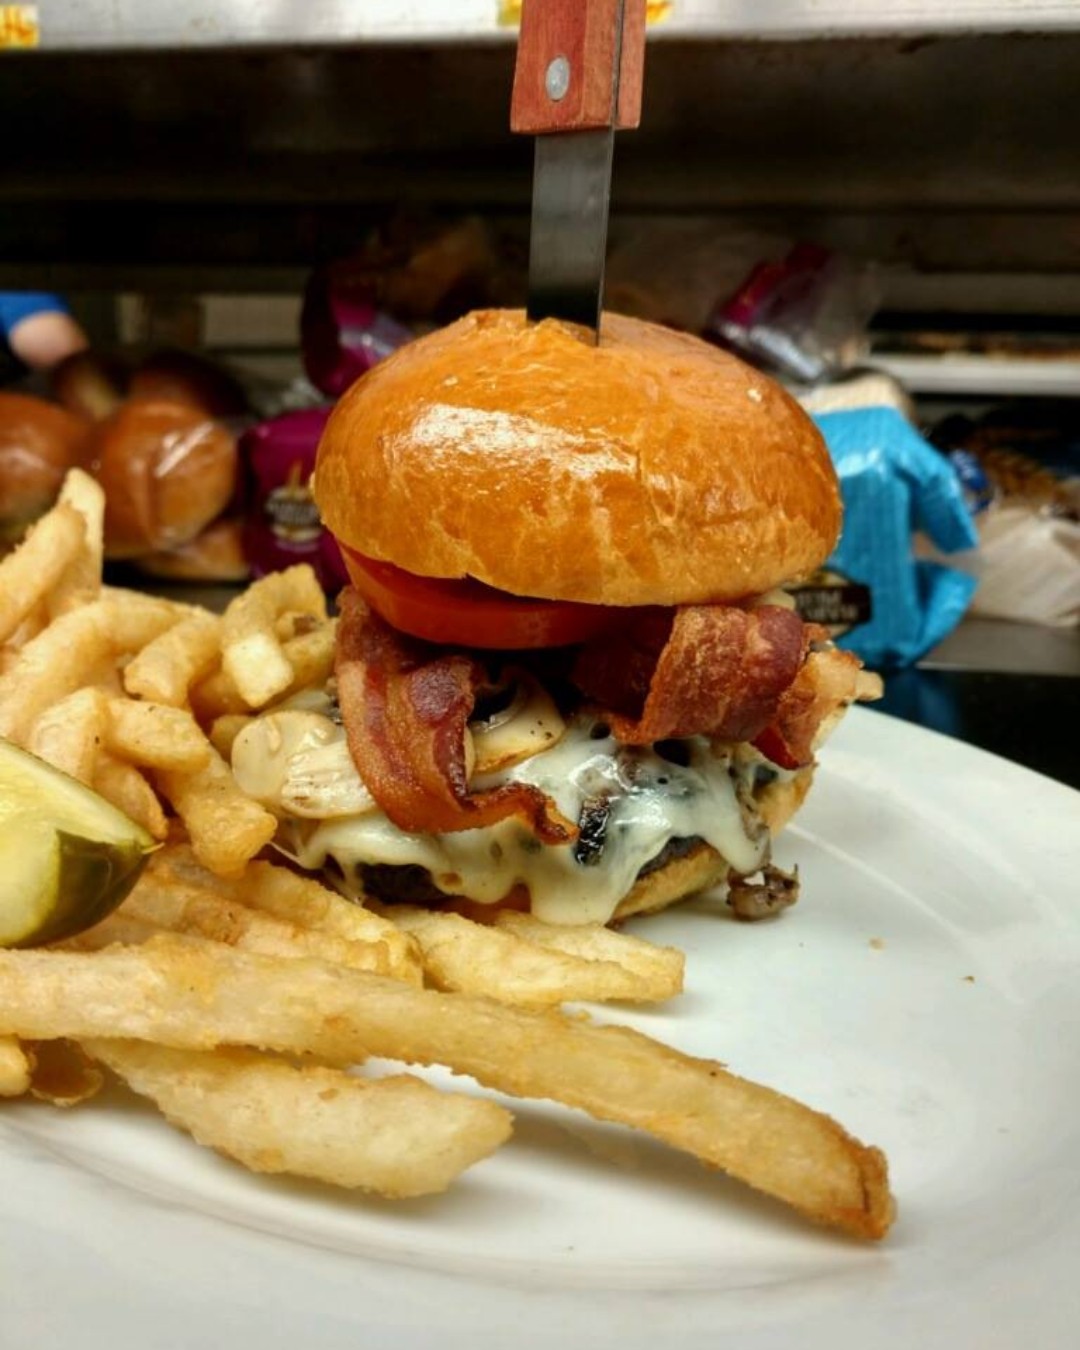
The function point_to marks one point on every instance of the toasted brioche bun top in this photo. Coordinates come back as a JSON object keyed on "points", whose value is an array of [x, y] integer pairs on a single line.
{"points": [[651, 469]]}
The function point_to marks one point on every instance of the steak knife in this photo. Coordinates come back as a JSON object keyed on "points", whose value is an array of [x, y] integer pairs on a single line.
{"points": [[578, 80]]}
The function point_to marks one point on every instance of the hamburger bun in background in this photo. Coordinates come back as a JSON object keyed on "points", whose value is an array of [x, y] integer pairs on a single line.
{"points": [[39, 442], [184, 377], [89, 384], [167, 471], [155, 437], [214, 555], [93, 384]]}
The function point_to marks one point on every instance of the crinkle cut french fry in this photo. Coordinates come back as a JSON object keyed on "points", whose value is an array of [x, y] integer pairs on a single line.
{"points": [[155, 736], [251, 652], [127, 789], [310, 657], [136, 619], [63, 1075], [296, 899], [183, 908], [14, 1068], [225, 729], [658, 968], [395, 1136], [227, 828], [120, 927], [60, 659], [284, 894], [29, 573], [165, 669], [69, 734], [216, 995], [29, 629], [81, 579], [476, 958]]}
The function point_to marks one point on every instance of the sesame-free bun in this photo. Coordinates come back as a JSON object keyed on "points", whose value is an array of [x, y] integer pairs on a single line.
{"points": [[185, 377], [215, 555], [167, 469], [39, 442], [703, 867], [651, 469], [89, 384]]}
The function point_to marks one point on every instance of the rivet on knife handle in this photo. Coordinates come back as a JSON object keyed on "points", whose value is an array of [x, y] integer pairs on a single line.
{"points": [[585, 35], [578, 78]]}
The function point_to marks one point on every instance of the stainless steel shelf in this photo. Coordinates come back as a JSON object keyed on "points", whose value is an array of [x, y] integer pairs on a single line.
{"points": [[986, 375], [114, 25], [1007, 648]]}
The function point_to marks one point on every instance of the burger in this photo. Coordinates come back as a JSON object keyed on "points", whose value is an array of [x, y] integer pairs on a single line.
{"points": [[568, 676]]}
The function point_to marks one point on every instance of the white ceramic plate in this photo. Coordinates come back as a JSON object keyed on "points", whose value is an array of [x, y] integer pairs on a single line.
{"points": [[925, 991]]}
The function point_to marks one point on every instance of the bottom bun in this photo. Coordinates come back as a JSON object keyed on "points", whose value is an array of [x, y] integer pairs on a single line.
{"points": [[702, 866], [778, 802], [690, 866], [695, 871]]}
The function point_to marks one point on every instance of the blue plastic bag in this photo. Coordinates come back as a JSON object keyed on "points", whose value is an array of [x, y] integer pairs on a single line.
{"points": [[895, 484]]}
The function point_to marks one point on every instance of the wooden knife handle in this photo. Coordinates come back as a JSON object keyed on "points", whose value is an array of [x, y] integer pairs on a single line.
{"points": [[585, 34]]}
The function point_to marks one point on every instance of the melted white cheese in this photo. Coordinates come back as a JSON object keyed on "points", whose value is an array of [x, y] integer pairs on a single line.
{"points": [[650, 801]]}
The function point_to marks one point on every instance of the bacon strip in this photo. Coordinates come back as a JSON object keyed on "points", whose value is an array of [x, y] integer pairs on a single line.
{"points": [[711, 670], [406, 709], [827, 681]]}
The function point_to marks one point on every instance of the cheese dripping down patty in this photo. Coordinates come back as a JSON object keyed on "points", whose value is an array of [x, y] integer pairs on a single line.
{"points": [[630, 801]]}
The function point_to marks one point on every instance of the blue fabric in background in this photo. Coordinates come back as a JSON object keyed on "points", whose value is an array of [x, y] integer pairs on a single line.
{"points": [[18, 305], [895, 484]]}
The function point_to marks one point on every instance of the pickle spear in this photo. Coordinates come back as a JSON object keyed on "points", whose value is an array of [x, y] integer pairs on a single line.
{"points": [[67, 857]]}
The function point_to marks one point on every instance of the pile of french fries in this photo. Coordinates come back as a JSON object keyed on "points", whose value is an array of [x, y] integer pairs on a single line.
{"points": [[243, 998]]}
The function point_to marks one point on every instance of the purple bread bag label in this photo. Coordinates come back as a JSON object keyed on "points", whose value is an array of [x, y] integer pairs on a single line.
{"points": [[342, 333], [282, 525]]}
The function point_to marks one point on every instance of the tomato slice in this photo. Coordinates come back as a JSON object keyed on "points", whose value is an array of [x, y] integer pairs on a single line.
{"points": [[469, 614]]}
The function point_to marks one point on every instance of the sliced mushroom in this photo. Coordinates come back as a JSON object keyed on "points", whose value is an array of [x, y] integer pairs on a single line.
{"points": [[528, 724], [298, 763]]}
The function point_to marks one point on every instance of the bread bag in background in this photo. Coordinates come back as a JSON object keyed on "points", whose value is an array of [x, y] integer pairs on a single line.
{"points": [[1020, 464], [880, 599], [281, 520]]}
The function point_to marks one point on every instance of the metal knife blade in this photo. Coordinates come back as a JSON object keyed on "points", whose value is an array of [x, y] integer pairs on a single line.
{"points": [[577, 80], [568, 239]]}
